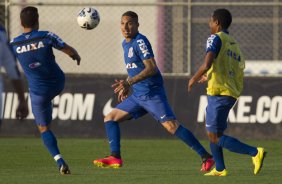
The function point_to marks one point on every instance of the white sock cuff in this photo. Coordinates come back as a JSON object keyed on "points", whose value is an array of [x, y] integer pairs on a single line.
{"points": [[57, 157]]}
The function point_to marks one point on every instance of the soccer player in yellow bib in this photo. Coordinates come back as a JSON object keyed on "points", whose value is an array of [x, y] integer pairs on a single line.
{"points": [[223, 70]]}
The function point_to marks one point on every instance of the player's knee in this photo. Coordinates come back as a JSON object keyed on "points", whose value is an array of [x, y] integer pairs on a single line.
{"points": [[110, 117], [42, 128], [171, 126], [117, 115], [213, 138]]}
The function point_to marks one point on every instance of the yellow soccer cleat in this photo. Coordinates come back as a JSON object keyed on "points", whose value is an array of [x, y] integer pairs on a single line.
{"points": [[214, 172], [258, 159]]}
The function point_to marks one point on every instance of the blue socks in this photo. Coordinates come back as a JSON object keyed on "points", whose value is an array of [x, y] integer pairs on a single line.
{"points": [[236, 146], [188, 138], [50, 142], [113, 133], [217, 154]]}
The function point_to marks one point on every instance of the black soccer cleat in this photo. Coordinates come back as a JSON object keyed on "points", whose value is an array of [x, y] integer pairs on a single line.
{"points": [[64, 169]]}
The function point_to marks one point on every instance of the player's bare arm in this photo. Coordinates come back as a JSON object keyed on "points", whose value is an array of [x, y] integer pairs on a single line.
{"points": [[122, 86], [149, 71], [202, 70], [72, 53]]}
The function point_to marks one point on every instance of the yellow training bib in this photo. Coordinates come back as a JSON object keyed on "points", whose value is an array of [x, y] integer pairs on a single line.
{"points": [[225, 77]]}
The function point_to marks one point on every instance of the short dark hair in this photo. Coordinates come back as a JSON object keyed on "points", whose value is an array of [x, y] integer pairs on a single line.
{"points": [[29, 16], [223, 16], [131, 14]]}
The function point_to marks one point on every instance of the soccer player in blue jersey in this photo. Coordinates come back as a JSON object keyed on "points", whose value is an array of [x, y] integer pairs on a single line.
{"points": [[46, 80], [7, 61], [223, 69], [148, 96]]}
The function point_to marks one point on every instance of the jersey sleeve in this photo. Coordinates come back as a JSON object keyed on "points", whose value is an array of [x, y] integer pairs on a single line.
{"points": [[7, 59], [56, 41], [213, 44], [144, 49]]}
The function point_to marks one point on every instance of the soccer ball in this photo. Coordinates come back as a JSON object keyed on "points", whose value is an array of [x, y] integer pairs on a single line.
{"points": [[88, 18]]}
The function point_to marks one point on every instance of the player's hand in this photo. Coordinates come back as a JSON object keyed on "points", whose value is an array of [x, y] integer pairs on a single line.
{"points": [[22, 110], [122, 95], [120, 85], [77, 58], [190, 84], [121, 88], [203, 79]]}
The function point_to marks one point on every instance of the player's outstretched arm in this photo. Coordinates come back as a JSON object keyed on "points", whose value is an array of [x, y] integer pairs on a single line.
{"points": [[22, 109], [72, 53]]}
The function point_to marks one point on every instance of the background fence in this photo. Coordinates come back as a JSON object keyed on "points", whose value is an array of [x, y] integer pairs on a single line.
{"points": [[177, 31]]}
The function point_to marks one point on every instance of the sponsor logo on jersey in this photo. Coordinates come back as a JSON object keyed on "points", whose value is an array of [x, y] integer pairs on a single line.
{"points": [[34, 65], [29, 47], [131, 65], [143, 47], [130, 52]]}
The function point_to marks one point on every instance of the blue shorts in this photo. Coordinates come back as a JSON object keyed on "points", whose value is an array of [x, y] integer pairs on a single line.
{"points": [[42, 107], [156, 105], [217, 112]]}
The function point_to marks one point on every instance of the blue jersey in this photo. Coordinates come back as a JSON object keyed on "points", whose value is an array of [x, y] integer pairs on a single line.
{"points": [[35, 54], [135, 51]]}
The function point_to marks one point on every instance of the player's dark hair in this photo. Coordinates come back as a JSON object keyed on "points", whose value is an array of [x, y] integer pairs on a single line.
{"points": [[131, 14], [29, 16], [223, 16]]}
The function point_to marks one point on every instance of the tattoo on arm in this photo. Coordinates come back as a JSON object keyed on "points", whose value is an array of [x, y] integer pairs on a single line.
{"points": [[150, 70]]}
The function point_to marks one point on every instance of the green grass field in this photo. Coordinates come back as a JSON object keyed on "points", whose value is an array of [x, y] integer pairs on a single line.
{"points": [[25, 161]]}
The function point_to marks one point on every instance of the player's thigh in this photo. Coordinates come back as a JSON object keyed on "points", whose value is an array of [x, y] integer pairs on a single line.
{"points": [[41, 109], [132, 107], [217, 113], [158, 106]]}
